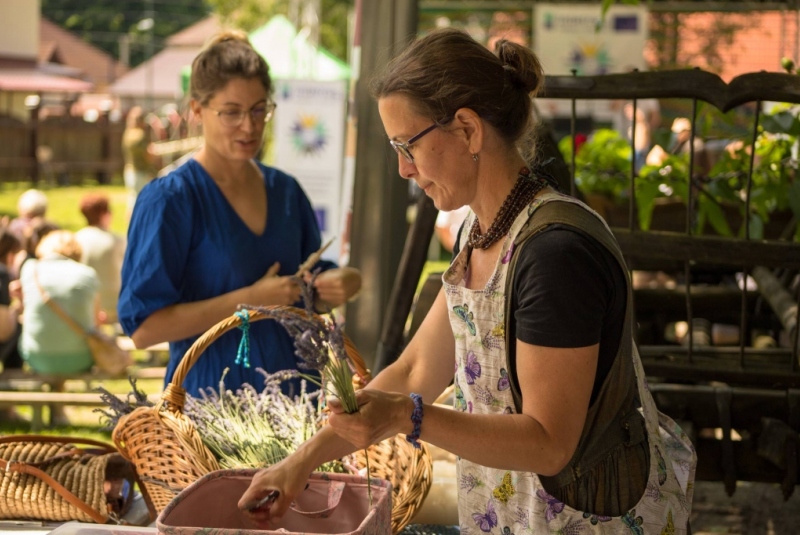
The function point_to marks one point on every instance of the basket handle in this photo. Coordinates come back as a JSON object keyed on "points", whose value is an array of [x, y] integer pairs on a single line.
{"points": [[10, 439], [174, 393], [24, 468]]}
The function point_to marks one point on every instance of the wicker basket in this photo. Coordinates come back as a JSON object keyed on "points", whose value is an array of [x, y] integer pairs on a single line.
{"points": [[169, 454]]}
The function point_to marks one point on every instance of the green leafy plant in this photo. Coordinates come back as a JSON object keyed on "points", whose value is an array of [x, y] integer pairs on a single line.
{"points": [[603, 167]]}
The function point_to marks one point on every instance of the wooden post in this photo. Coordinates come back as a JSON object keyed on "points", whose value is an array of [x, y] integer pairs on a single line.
{"points": [[380, 195]]}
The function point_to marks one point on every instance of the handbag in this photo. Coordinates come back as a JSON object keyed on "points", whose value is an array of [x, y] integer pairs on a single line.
{"points": [[107, 355], [60, 479], [331, 503]]}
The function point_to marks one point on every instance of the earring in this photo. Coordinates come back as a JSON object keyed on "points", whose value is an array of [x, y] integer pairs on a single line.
{"points": [[475, 157]]}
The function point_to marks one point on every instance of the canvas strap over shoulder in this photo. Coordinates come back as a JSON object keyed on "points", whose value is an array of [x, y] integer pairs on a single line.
{"points": [[553, 212]]}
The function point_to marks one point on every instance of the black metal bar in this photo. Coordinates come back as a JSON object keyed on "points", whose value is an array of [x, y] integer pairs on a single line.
{"points": [[415, 251], [689, 218], [743, 327], [690, 182], [632, 200], [572, 128]]}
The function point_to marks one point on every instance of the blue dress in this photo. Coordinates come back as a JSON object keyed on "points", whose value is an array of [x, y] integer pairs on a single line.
{"points": [[186, 243]]}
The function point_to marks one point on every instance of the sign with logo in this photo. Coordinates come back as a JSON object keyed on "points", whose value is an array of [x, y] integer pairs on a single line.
{"points": [[309, 144], [571, 37]]}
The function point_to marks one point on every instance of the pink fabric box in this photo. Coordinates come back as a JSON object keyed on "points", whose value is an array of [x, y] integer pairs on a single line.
{"points": [[332, 504]]}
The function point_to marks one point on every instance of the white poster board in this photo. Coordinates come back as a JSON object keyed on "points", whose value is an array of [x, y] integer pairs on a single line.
{"points": [[309, 144], [573, 36]]}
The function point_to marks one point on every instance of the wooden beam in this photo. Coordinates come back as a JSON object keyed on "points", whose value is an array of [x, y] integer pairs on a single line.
{"points": [[707, 250], [688, 83], [723, 371], [714, 303]]}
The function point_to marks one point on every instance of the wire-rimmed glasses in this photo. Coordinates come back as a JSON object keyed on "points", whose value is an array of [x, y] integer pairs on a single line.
{"points": [[259, 114], [402, 147]]}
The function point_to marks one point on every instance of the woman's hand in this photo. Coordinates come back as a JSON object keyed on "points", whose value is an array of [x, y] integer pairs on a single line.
{"points": [[288, 477], [274, 290], [380, 415], [336, 286]]}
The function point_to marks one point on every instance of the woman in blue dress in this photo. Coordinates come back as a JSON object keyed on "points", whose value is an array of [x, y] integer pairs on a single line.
{"points": [[222, 230]]}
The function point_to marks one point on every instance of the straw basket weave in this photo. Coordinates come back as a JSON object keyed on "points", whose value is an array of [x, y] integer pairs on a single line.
{"points": [[169, 454]]}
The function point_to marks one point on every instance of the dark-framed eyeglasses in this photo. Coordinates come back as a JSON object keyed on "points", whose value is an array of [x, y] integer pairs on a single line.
{"points": [[402, 147], [259, 114]]}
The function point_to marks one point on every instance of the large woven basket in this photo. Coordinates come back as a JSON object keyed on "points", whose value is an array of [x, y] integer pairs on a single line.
{"points": [[169, 455]]}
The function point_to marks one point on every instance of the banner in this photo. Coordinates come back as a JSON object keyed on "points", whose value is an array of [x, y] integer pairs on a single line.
{"points": [[574, 36], [309, 144]]}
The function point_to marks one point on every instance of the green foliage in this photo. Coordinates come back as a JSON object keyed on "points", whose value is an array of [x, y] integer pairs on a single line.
{"points": [[103, 22], [603, 163], [251, 14], [603, 167]]}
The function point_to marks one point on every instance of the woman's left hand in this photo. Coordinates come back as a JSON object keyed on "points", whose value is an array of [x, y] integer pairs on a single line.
{"points": [[336, 286], [380, 415]]}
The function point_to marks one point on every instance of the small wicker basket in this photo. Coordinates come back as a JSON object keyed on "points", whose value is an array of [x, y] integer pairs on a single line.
{"points": [[169, 455]]}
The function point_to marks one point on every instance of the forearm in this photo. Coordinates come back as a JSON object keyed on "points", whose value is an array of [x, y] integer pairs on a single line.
{"points": [[324, 446], [526, 444], [176, 322]]}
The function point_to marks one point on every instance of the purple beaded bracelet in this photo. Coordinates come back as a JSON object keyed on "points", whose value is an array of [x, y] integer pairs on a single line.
{"points": [[416, 418]]}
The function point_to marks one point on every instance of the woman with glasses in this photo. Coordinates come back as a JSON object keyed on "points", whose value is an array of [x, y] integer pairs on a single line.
{"points": [[223, 230], [552, 425]]}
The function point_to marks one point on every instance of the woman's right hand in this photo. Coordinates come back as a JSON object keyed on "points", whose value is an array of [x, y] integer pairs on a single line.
{"points": [[274, 290], [288, 478]]}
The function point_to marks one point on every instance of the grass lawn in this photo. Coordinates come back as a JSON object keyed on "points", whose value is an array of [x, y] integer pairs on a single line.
{"points": [[63, 204], [63, 209]]}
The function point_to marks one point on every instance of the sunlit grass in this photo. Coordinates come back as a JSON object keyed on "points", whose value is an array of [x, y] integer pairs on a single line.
{"points": [[63, 204]]}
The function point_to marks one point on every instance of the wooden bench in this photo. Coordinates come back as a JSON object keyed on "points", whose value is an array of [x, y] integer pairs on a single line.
{"points": [[38, 400], [17, 379]]}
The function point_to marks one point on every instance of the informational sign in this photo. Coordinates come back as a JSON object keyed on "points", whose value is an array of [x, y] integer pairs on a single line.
{"points": [[576, 37], [309, 144]]}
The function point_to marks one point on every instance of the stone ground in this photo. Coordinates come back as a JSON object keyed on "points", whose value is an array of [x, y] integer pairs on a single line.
{"points": [[754, 509]]}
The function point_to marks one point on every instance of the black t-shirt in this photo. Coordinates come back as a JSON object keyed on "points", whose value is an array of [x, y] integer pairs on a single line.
{"points": [[569, 291]]}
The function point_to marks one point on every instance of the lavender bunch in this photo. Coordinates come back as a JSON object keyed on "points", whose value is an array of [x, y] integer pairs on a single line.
{"points": [[116, 408], [319, 343], [246, 428]]}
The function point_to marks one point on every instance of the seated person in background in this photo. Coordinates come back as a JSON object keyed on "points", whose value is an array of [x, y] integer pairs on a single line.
{"points": [[9, 324], [38, 229], [31, 205], [102, 250], [48, 344]]}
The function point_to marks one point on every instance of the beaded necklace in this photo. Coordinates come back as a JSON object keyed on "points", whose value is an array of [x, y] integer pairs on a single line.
{"points": [[521, 196]]}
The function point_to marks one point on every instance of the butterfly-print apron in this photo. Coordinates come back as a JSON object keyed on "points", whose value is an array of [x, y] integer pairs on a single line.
{"points": [[505, 502]]}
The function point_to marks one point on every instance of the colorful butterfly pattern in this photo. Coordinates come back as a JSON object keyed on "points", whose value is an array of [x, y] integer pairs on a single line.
{"points": [[502, 502], [473, 368], [505, 490], [509, 254], [463, 313], [554, 507], [633, 522], [669, 528], [486, 521], [460, 404], [595, 519], [503, 383]]}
